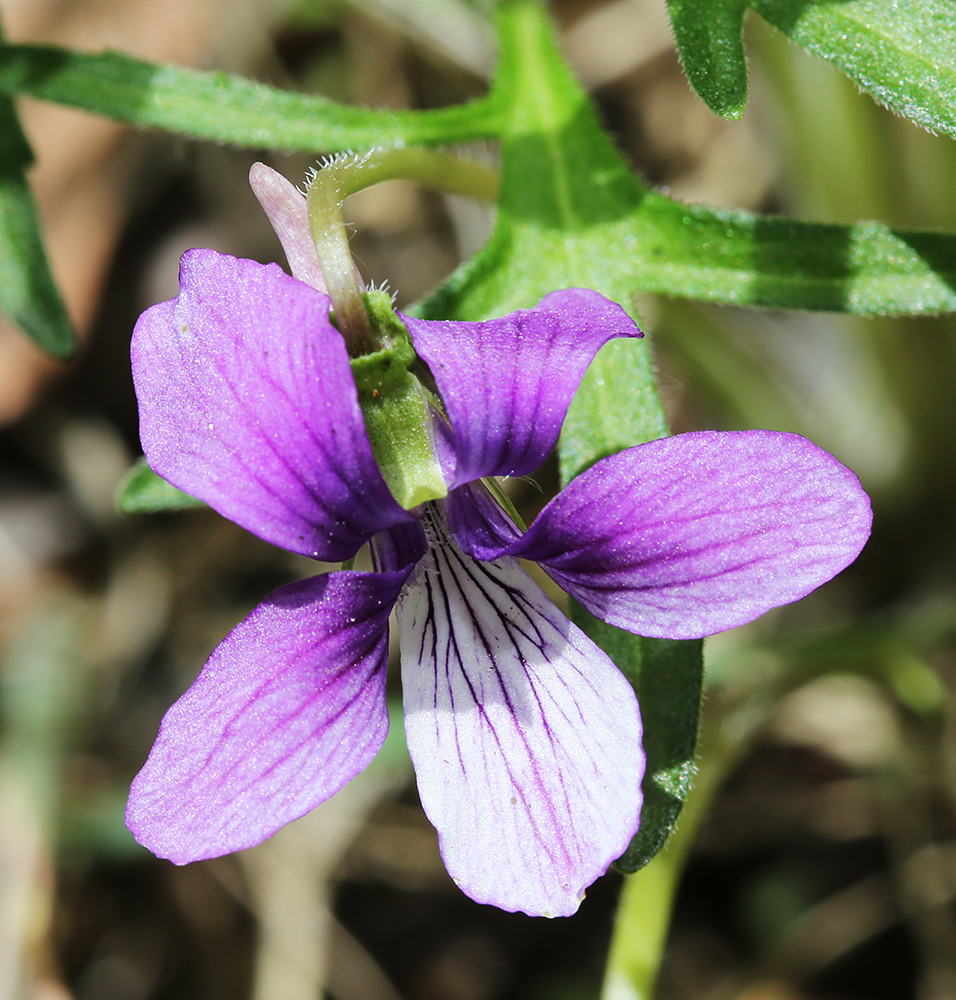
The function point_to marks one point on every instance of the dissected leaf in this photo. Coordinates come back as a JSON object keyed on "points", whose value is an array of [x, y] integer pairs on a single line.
{"points": [[144, 492], [709, 35], [28, 293], [224, 107]]}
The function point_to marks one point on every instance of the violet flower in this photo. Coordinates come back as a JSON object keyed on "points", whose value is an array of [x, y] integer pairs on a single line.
{"points": [[524, 735]]}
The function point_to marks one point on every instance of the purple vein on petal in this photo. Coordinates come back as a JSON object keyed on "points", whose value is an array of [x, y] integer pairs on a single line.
{"points": [[507, 383], [443, 562]]}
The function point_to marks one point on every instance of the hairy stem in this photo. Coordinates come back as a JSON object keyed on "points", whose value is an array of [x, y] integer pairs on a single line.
{"points": [[346, 174], [325, 198]]}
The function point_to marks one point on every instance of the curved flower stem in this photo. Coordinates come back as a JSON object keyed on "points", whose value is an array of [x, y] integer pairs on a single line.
{"points": [[324, 201], [443, 171], [344, 175]]}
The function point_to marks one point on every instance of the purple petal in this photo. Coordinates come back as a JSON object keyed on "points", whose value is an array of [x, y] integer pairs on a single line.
{"points": [[286, 209], [478, 523], [246, 401], [289, 707], [398, 547], [524, 735], [694, 534], [507, 383]]}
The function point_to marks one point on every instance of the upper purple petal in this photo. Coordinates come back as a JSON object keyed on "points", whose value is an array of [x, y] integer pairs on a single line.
{"points": [[246, 401], [507, 383], [289, 707], [694, 534], [526, 738]]}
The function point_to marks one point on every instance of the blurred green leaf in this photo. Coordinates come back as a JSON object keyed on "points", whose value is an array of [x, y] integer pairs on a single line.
{"points": [[904, 54], [96, 824], [42, 690], [709, 35], [226, 108], [28, 293], [900, 53], [895, 648], [567, 200], [143, 492]]}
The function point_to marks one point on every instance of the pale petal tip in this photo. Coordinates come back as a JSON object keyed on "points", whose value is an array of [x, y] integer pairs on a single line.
{"points": [[562, 902]]}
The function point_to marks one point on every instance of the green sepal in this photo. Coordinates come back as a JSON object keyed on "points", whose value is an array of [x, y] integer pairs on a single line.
{"points": [[397, 411], [142, 491], [390, 331], [504, 501]]}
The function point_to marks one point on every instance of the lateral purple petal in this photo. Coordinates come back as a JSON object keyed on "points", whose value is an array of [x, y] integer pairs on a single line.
{"points": [[507, 383], [246, 401], [526, 739], [479, 525], [289, 707], [694, 534], [399, 547]]}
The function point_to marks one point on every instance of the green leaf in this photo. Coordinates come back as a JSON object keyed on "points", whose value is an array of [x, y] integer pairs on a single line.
{"points": [[567, 204], [660, 246], [709, 35], [226, 108], [904, 54], [565, 192], [737, 258], [143, 492], [28, 293], [653, 244]]}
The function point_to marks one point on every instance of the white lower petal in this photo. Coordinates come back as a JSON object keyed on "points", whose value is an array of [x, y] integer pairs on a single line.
{"points": [[526, 738]]}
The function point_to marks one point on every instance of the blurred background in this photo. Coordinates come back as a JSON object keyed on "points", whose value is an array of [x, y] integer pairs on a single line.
{"points": [[825, 869]]}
